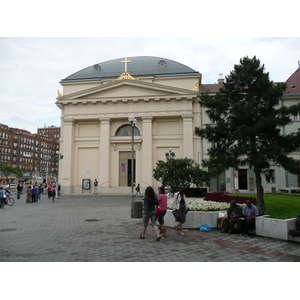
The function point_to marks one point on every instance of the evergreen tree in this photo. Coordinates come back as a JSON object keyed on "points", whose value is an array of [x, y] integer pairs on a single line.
{"points": [[248, 119], [180, 173]]}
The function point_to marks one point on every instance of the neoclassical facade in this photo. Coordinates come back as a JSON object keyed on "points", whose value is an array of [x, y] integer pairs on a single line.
{"points": [[96, 136]]}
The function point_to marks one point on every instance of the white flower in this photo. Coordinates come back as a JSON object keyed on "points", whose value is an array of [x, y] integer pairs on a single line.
{"points": [[198, 204]]}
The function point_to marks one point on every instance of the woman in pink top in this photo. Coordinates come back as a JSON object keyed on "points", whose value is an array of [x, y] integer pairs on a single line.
{"points": [[163, 205]]}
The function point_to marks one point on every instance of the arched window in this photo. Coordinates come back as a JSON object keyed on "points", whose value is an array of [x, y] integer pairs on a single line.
{"points": [[126, 130]]}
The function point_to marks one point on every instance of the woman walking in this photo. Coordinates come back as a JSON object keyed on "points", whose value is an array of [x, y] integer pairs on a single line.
{"points": [[179, 209], [163, 205], [149, 213]]}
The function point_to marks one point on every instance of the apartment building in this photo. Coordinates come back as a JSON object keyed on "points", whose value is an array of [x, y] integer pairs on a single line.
{"points": [[34, 153]]}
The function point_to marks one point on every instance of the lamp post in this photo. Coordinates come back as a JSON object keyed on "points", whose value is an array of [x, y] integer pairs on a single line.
{"points": [[133, 121], [59, 156]]}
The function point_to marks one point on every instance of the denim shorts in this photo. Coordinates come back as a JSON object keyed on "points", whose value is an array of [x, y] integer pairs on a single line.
{"points": [[152, 216]]}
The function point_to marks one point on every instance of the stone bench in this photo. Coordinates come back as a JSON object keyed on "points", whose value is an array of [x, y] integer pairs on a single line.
{"points": [[289, 189]]}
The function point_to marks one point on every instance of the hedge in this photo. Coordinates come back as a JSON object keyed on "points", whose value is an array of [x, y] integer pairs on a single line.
{"points": [[222, 197]]}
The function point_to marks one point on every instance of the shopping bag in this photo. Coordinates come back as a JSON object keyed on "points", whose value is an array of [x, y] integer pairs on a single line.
{"points": [[204, 227]]}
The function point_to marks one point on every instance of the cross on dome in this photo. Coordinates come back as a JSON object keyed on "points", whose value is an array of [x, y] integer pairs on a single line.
{"points": [[125, 61]]}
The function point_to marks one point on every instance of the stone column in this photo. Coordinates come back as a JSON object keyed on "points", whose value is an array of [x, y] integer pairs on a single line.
{"points": [[104, 152], [147, 151], [188, 136], [66, 165]]}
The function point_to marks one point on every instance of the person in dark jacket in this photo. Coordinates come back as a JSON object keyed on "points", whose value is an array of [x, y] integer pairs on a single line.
{"points": [[234, 212], [150, 201]]}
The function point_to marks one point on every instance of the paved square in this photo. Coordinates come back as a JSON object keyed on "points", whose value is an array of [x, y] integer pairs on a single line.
{"points": [[84, 228]]}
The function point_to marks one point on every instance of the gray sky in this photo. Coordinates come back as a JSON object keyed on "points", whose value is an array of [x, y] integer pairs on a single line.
{"points": [[34, 56]]}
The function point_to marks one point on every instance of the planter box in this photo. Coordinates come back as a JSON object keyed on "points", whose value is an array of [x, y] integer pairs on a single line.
{"points": [[194, 219], [274, 228], [264, 226]]}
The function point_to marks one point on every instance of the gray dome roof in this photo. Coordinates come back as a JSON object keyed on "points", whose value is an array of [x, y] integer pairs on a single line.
{"points": [[138, 66]]}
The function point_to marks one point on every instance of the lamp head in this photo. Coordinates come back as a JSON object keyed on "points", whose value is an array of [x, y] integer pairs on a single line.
{"points": [[131, 119]]}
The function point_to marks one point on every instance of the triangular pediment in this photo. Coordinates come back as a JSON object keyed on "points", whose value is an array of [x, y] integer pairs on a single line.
{"points": [[127, 89]]}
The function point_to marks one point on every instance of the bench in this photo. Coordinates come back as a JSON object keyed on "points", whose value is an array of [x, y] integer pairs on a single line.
{"points": [[295, 232], [289, 189]]}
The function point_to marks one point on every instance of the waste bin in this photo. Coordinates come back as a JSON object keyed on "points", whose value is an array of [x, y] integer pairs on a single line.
{"points": [[137, 209]]}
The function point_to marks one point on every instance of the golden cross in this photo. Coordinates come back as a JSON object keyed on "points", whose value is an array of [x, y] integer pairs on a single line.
{"points": [[126, 61]]}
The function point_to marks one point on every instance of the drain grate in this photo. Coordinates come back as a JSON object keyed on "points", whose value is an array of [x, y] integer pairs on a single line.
{"points": [[92, 220], [8, 229]]}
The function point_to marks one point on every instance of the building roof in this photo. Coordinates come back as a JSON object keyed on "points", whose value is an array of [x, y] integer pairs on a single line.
{"points": [[136, 66], [210, 88], [293, 84]]}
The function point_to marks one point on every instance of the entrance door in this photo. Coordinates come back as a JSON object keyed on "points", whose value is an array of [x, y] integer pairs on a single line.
{"points": [[243, 179], [125, 168]]}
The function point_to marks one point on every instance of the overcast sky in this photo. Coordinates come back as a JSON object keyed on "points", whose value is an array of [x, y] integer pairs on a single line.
{"points": [[31, 67]]}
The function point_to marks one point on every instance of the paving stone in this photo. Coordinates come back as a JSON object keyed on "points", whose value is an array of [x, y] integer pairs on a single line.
{"points": [[59, 232]]}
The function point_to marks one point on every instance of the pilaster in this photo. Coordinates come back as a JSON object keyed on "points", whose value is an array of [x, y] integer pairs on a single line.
{"points": [[147, 151], [104, 152], [188, 136]]}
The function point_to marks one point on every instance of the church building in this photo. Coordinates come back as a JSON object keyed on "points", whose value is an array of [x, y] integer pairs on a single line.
{"points": [[96, 135], [160, 97]]}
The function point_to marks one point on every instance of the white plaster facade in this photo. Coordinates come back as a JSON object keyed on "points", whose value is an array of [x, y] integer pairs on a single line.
{"points": [[92, 111]]}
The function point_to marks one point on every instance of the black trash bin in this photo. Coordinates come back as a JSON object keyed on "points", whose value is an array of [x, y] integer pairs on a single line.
{"points": [[137, 209]]}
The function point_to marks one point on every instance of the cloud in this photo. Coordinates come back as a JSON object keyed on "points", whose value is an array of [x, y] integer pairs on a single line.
{"points": [[31, 68]]}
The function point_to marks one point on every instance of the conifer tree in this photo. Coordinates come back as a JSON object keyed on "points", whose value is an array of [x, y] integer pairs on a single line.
{"points": [[249, 118]]}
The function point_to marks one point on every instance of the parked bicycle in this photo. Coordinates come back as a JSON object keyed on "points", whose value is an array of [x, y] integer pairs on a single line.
{"points": [[9, 200]]}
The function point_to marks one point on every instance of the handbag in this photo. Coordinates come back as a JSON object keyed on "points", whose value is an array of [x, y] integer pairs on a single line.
{"points": [[175, 214], [158, 212]]}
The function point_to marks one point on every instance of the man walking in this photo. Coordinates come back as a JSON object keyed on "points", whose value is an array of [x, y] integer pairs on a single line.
{"points": [[95, 186]]}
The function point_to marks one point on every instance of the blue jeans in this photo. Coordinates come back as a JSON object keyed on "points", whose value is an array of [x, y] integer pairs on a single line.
{"points": [[152, 216]]}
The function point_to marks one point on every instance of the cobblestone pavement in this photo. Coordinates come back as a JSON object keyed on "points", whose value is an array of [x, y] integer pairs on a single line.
{"points": [[84, 228]]}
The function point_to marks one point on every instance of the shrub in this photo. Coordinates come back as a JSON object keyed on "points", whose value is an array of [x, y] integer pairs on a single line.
{"points": [[222, 197]]}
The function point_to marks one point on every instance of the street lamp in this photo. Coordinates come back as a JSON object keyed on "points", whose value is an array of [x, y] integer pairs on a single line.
{"points": [[170, 154], [59, 156], [133, 121]]}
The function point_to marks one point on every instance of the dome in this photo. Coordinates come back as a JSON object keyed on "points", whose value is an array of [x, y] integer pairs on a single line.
{"points": [[136, 66]]}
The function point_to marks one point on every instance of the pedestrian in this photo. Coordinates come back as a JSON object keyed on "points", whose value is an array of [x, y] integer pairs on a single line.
{"points": [[223, 186], [179, 207], [29, 195], [39, 192], [163, 205], [138, 190], [247, 222], [53, 192], [19, 190], [2, 197], [58, 190], [95, 186], [49, 189], [33, 193], [150, 212]]}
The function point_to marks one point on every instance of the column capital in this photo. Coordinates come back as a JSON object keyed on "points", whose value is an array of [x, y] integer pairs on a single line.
{"points": [[147, 118], [187, 116], [70, 121], [105, 120]]}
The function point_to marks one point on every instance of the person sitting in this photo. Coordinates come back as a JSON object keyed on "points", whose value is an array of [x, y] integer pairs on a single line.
{"points": [[247, 222], [234, 212]]}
